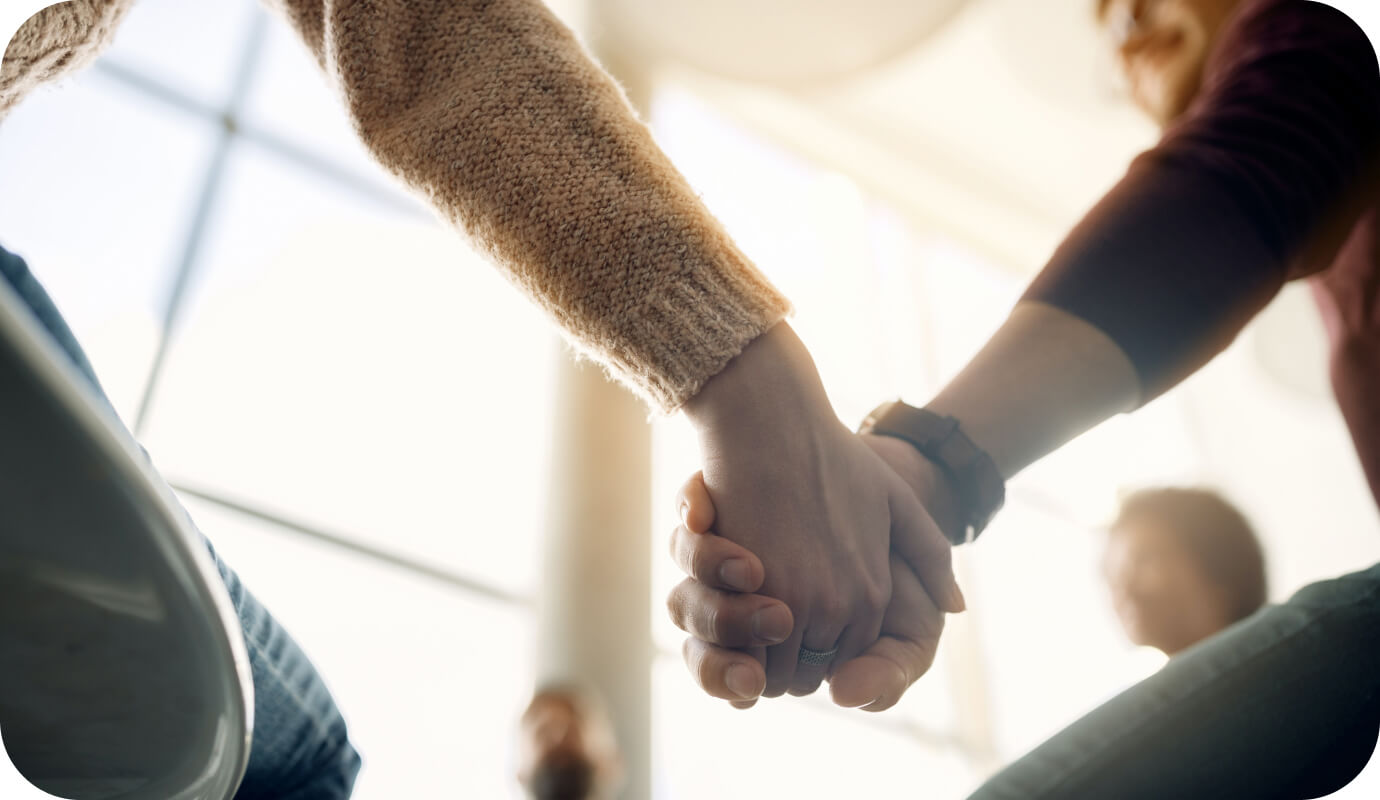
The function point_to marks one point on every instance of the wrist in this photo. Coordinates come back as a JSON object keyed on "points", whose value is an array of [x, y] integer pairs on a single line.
{"points": [[772, 380], [976, 488], [928, 481]]}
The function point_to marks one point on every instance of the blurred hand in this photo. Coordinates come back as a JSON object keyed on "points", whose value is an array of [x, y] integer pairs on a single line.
{"points": [[1348, 297], [1348, 292], [814, 503], [718, 607]]}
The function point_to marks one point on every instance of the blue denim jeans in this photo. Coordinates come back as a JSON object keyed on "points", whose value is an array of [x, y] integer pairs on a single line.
{"points": [[300, 748], [1283, 705]]}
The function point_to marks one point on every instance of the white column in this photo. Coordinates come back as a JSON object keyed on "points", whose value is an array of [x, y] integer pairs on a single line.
{"points": [[594, 611], [594, 605]]}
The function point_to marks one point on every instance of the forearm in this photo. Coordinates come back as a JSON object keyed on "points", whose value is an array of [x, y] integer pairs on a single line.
{"points": [[1045, 377], [495, 113], [1258, 182]]}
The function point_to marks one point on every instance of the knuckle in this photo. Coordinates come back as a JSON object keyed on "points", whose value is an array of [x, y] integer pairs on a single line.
{"points": [[942, 554], [713, 624], [875, 598], [700, 564], [686, 551], [675, 545], [706, 671], [696, 663], [832, 611], [936, 549], [689, 653], [675, 607]]}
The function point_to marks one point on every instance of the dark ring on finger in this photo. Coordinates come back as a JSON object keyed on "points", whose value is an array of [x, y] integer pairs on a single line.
{"points": [[815, 658]]}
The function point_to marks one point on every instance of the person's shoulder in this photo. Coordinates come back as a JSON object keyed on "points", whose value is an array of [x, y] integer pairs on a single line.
{"points": [[1295, 16], [1267, 32], [1296, 53]]}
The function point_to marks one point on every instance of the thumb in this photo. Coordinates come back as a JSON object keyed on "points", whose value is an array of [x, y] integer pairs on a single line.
{"points": [[918, 541], [694, 505]]}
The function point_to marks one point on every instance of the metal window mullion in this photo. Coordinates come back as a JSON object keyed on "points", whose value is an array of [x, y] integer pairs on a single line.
{"points": [[206, 200]]}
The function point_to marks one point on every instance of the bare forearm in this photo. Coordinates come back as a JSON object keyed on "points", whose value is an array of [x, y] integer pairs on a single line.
{"points": [[1044, 378]]}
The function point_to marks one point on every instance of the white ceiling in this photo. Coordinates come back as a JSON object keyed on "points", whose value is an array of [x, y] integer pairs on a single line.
{"points": [[998, 129], [781, 42]]}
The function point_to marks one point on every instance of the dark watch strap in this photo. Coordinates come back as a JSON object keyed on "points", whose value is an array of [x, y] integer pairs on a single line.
{"points": [[981, 489]]}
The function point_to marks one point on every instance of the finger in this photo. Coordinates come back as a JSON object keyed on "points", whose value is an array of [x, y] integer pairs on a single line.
{"points": [[854, 642], [693, 504], [855, 637], [727, 674], [728, 619], [808, 676], [812, 667], [876, 680], [781, 664], [760, 655], [844, 629], [923, 546], [715, 561], [868, 615]]}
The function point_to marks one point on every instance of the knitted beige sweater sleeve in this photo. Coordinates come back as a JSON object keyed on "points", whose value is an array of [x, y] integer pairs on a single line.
{"points": [[495, 113], [57, 40]]}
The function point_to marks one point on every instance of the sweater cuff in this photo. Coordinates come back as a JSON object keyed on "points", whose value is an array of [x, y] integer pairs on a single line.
{"points": [[667, 345]]}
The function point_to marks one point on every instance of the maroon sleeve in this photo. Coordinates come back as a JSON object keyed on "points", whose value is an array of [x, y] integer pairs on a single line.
{"points": [[1256, 184]]}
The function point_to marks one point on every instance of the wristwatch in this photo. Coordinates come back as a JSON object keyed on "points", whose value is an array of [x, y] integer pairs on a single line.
{"points": [[981, 489]]}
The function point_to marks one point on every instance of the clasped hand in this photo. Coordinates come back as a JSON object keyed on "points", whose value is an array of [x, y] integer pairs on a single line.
{"points": [[809, 557]]}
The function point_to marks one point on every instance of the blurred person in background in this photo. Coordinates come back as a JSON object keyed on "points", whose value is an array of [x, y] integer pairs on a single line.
{"points": [[1268, 170], [1181, 565], [495, 114], [567, 749]]}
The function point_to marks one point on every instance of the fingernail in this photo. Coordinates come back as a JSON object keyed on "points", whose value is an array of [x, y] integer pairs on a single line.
{"points": [[771, 625], [741, 682], [958, 600], [735, 574]]}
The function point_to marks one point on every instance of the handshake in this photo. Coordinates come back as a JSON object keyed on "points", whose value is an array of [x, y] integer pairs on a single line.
{"points": [[813, 553]]}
